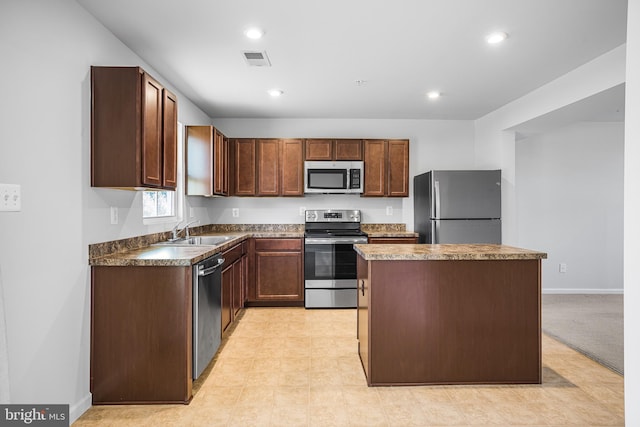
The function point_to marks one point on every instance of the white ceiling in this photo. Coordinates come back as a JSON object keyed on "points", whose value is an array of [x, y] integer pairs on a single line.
{"points": [[402, 49]]}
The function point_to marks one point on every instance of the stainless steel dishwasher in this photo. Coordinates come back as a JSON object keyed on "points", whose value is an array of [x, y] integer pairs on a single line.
{"points": [[207, 311]]}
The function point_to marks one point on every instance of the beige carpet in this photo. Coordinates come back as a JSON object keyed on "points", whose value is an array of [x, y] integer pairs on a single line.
{"points": [[590, 324]]}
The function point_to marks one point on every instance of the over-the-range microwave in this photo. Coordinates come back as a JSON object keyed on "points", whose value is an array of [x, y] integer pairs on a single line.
{"points": [[337, 177]]}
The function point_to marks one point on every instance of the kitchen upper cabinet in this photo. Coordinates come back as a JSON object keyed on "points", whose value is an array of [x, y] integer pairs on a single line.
{"points": [[267, 167], [292, 167], [386, 168], [199, 164], [243, 176], [276, 272], [333, 149], [374, 167], [133, 130], [398, 168], [220, 164], [207, 162]]}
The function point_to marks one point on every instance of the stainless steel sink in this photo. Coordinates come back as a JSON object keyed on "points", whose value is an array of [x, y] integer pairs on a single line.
{"points": [[198, 241]]}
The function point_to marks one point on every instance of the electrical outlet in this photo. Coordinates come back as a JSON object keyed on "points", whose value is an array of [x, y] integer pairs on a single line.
{"points": [[563, 267], [389, 210], [302, 209], [10, 198], [114, 215], [235, 212], [192, 212]]}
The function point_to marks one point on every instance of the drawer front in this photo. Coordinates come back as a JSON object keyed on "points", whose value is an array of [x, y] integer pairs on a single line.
{"points": [[278, 244], [232, 254]]}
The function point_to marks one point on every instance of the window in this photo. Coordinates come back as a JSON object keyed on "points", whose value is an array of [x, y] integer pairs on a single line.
{"points": [[165, 206], [158, 204]]}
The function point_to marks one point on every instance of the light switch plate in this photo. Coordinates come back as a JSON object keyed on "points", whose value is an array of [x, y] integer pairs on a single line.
{"points": [[10, 198]]}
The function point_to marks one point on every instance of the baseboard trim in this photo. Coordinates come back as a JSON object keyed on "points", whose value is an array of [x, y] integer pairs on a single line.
{"points": [[583, 291], [79, 408]]}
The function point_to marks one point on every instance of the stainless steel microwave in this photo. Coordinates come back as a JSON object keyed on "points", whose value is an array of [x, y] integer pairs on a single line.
{"points": [[337, 177]]}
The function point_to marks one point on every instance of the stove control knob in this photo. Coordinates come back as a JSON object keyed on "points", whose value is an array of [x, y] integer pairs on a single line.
{"points": [[311, 216]]}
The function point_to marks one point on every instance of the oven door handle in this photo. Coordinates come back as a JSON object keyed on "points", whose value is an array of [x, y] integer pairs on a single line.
{"points": [[332, 241]]}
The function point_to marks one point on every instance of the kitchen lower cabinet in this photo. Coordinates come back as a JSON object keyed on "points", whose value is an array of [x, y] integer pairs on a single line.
{"points": [[234, 279], [276, 272], [227, 297], [141, 334], [450, 321]]}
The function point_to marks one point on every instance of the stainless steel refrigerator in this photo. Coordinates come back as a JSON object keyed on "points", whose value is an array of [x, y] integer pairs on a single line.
{"points": [[458, 206]]}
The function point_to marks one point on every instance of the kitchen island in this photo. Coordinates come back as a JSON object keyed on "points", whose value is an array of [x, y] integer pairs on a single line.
{"points": [[449, 314]]}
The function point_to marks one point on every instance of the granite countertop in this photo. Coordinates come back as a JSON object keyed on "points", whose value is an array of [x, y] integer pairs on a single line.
{"points": [[451, 252], [161, 255], [145, 250]]}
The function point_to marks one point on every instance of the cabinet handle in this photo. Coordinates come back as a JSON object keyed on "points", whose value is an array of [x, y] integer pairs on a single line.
{"points": [[362, 281]]}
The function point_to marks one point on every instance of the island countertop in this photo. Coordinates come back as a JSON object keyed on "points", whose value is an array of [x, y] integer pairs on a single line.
{"points": [[443, 252]]}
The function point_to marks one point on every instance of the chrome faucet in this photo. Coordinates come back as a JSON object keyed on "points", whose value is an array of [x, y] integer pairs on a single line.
{"points": [[175, 232]]}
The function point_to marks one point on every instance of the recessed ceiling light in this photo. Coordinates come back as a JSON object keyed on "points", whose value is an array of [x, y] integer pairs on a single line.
{"points": [[434, 94], [254, 33], [275, 92], [497, 37]]}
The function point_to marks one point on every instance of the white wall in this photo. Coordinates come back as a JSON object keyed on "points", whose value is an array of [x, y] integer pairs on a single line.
{"points": [[631, 224], [570, 201], [434, 144], [495, 138], [47, 48]]}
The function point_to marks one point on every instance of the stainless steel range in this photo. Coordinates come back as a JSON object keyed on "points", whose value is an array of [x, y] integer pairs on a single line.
{"points": [[330, 262]]}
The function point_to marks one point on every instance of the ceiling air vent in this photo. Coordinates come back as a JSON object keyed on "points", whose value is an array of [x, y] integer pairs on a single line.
{"points": [[256, 59]]}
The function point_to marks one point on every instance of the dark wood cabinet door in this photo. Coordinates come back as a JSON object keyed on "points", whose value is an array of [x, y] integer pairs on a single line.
{"points": [[238, 286], [244, 167], [219, 164], [374, 167], [169, 140], [199, 164], [141, 334], [151, 131], [279, 276], [227, 297], [319, 149], [225, 166], [348, 149], [398, 168], [268, 167], [275, 271], [292, 168], [363, 314]]}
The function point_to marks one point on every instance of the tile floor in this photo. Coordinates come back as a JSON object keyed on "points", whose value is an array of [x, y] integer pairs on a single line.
{"points": [[297, 367]]}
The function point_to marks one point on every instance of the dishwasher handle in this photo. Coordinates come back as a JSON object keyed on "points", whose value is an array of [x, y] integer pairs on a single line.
{"points": [[207, 271]]}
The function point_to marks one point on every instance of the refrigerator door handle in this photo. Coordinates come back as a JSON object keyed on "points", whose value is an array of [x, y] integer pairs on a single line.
{"points": [[436, 199]]}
